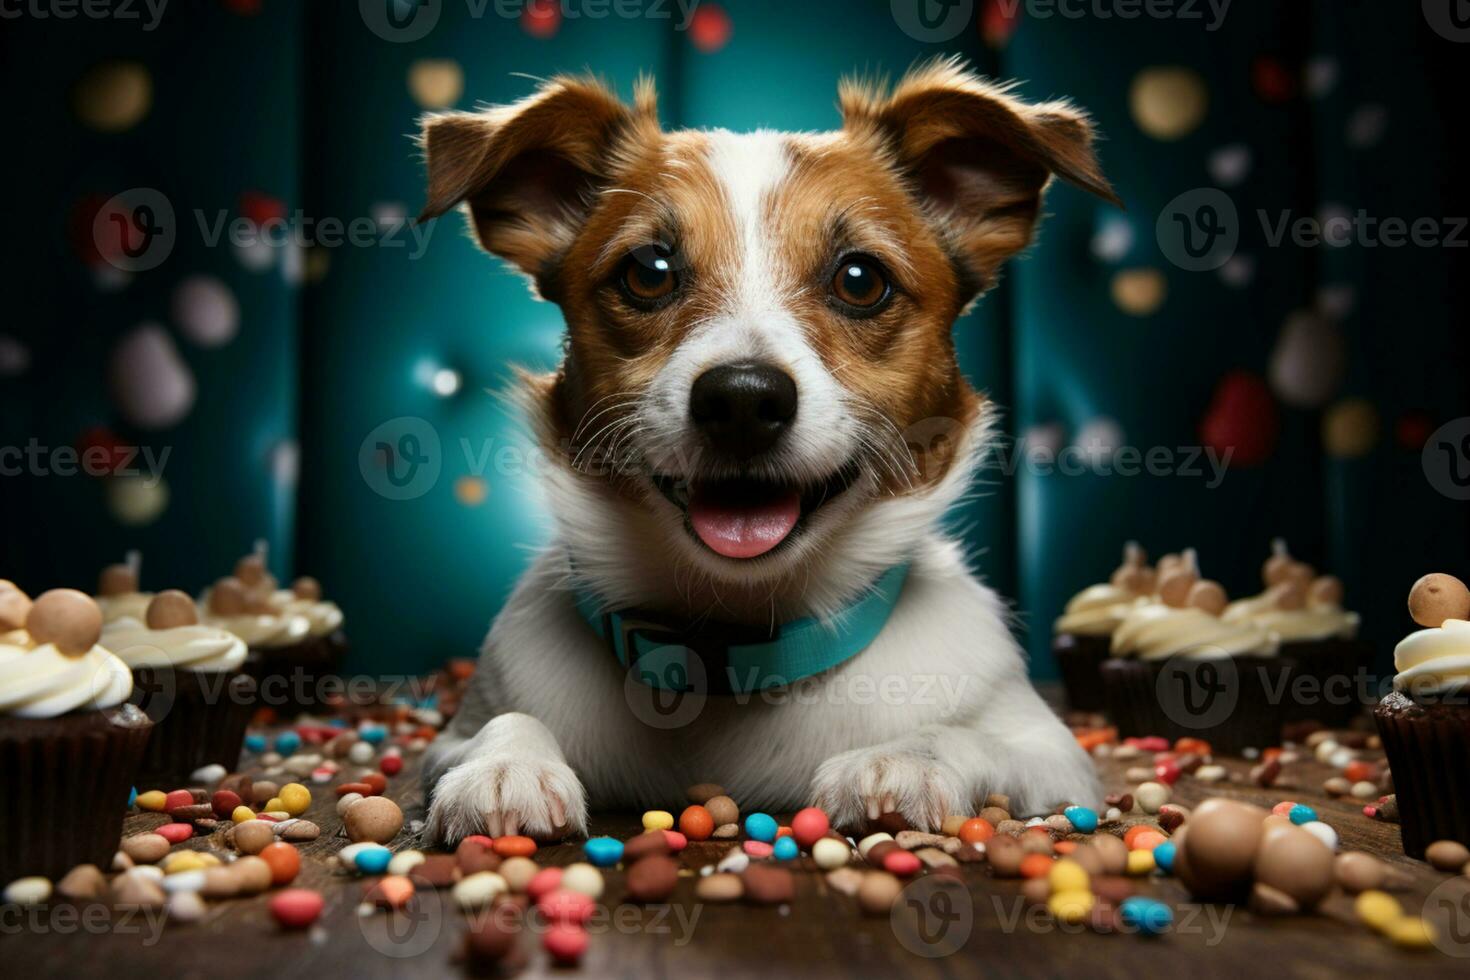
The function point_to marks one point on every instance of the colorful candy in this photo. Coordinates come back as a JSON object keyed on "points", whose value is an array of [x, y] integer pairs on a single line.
{"points": [[604, 852], [760, 827], [296, 908]]}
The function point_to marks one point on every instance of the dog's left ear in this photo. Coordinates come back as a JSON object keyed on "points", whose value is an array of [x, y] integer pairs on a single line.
{"points": [[529, 171], [978, 158]]}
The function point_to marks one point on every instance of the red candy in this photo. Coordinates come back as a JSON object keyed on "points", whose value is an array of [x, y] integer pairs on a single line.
{"points": [[224, 803], [1359, 771], [362, 788], [567, 943], [809, 826], [1166, 773], [757, 848], [377, 782], [296, 908], [544, 882], [1283, 808], [567, 906], [177, 798], [976, 830], [696, 823], [482, 840], [175, 833], [677, 841], [391, 765], [901, 863], [514, 845]]}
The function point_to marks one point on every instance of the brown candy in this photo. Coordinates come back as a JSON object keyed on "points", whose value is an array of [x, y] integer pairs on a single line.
{"points": [[171, 609], [1175, 587], [1326, 590], [878, 892], [15, 606], [117, 580], [1215, 850], [250, 570], [1294, 862], [767, 885], [1289, 595], [1208, 596], [652, 843], [307, 588], [719, 888], [723, 810], [488, 939], [473, 856], [229, 598], [1358, 871], [69, 619], [652, 879], [1447, 855], [1005, 855], [701, 793], [1438, 597]]}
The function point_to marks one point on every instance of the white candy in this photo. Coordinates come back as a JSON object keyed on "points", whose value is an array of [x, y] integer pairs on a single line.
{"points": [[830, 853], [184, 881], [346, 801], [28, 891], [735, 862], [1210, 774], [186, 906], [583, 877], [1322, 832], [478, 890], [866, 844], [208, 774], [405, 861], [152, 872], [1341, 758], [1325, 749], [360, 753], [348, 854], [1150, 796], [1364, 790]]}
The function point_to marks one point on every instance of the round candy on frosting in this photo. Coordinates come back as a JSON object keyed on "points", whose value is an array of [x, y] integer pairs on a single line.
{"points": [[117, 580], [1326, 591], [1290, 594], [1175, 586], [170, 609], [67, 619], [307, 588], [1209, 596], [229, 598], [251, 569], [1438, 597], [15, 606]]}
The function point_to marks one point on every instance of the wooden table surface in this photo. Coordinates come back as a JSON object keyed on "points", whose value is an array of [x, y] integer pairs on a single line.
{"points": [[822, 933]]}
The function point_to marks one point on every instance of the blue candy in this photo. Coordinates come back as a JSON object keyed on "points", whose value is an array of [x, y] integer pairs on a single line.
{"points": [[760, 826], [373, 860], [1149, 917], [1082, 818], [133, 797], [1164, 857], [785, 849], [255, 743], [287, 743], [1301, 813], [372, 733], [603, 851]]}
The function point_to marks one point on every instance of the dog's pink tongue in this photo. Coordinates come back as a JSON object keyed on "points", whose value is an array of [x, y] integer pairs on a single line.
{"points": [[738, 529]]}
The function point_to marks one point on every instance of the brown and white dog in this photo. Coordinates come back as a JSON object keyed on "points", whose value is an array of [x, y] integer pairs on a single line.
{"points": [[757, 324]]}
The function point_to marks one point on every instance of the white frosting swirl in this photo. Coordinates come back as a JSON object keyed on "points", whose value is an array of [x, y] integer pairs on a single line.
{"points": [[198, 647], [1097, 610], [1313, 622], [39, 681], [1155, 632], [1434, 661], [325, 617], [264, 631], [127, 605]]}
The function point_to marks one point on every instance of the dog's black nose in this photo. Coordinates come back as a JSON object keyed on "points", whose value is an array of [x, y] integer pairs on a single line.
{"points": [[742, 409]]}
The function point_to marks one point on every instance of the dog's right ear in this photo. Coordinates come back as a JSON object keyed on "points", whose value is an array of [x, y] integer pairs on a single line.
{"points": [[528, 171]]}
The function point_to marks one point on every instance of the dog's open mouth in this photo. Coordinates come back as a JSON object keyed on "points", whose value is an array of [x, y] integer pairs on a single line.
{"points": [[749, 517]]}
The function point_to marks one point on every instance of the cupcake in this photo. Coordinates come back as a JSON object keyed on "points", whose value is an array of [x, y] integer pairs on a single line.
{"points": [[70, 742], [1179, 669], [1305, 610], [304, 599], [196, 692], [282, 656], [117, 591], [1082, 636], [1425, 721]]}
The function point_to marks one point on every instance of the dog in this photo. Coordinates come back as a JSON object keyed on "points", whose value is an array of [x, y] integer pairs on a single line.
{"points": [[759, 340]]}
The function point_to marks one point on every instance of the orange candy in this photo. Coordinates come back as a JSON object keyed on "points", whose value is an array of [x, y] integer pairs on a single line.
{"points": [[514, 845], [377, 781], [1065, 846], [284, 861], [696, 823], [1142, 838], [976, 830], [1359, 771], [1193, 746], [392, 892], [1036, 866]]}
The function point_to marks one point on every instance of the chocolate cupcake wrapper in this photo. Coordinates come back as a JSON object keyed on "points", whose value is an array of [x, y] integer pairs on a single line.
{"points": [[297, 679], [1233, 703], [67, 782], [1332, 680], [1078, 659], [1428, 748], [199, 719]]}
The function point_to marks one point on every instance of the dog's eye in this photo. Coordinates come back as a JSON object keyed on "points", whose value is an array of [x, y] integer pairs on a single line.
{"points": [[648, 275], [860, 283]]}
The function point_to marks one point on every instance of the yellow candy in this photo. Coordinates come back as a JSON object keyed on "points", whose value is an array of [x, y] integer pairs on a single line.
{"points": [[184, 861], [658, 820], [210, 860], [1068, 876], [1070, 906], [1412, 933], [1140, 862], [152, 800], [295, 799], [1378, 910], [275, 805], [242, 813]]}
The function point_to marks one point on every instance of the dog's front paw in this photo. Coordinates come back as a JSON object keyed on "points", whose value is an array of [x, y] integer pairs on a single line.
{"points": [[1040, 790], [862, 784], [493, 795]]}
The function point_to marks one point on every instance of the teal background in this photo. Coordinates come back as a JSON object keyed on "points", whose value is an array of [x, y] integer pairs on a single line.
{"points": [[304, 104]]}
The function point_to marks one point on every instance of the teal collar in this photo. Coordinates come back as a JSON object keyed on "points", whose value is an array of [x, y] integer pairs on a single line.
{"points": [[723, 658]]}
